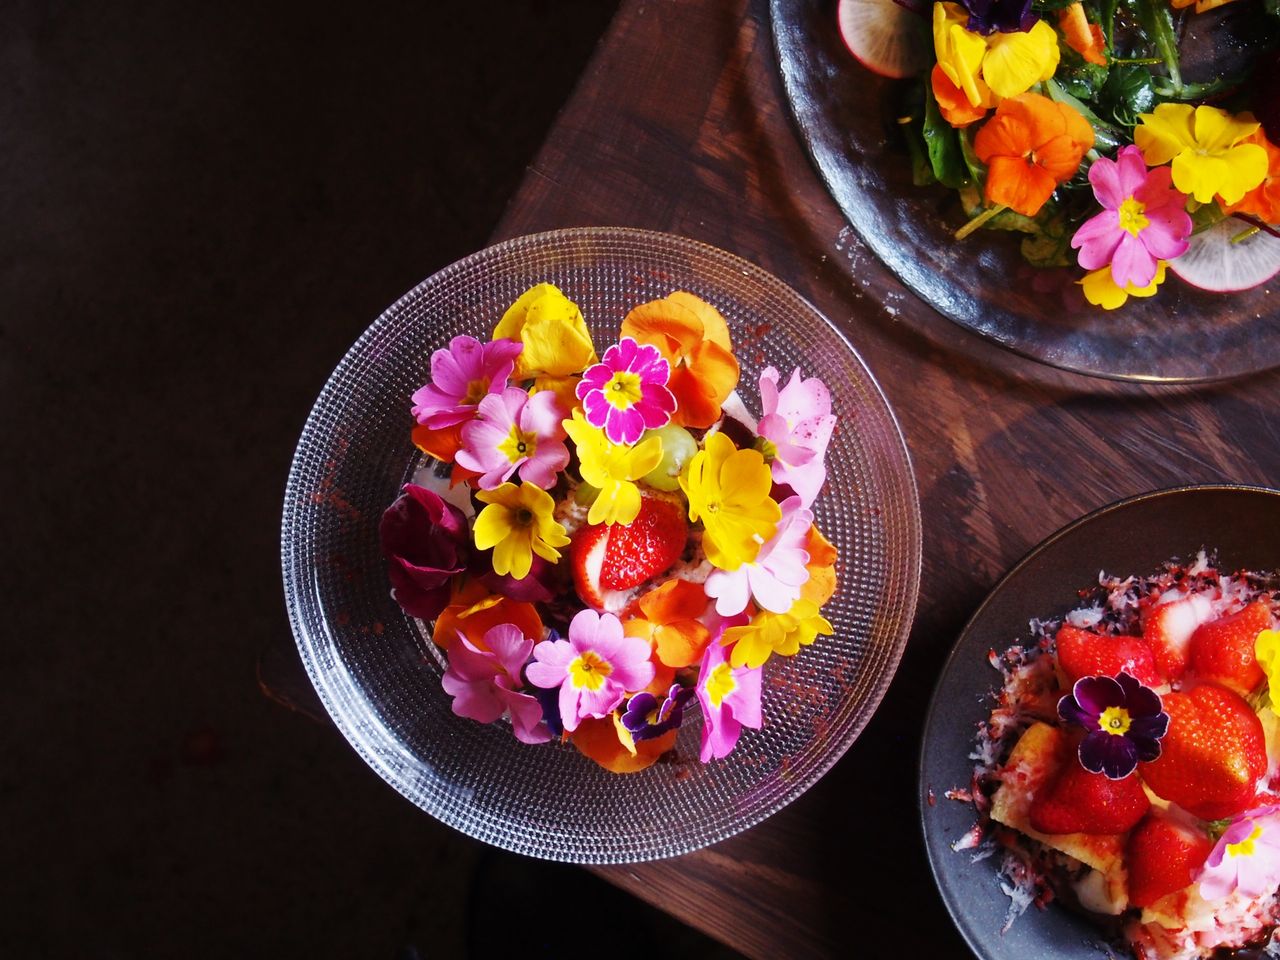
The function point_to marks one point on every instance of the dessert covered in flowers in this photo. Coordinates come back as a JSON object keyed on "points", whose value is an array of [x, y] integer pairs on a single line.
{"points": [[1125, 139], [1131, 764], [601, 544]]}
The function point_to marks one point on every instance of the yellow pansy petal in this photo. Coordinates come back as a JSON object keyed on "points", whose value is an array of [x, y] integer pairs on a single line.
{"points": [[1215, 129], [747, 476], [1248, 165], [1267, 649], [550, 326], [1017, 61], [1165, 133], [1201, 176], [959, 52], [1101, 290], [493, 523]]}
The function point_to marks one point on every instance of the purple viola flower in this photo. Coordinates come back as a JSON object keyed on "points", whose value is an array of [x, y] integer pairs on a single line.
{"points": [[1124, 720], [426, 542], [1007, 16], [647, 717], [626, 392], [462, 376]]}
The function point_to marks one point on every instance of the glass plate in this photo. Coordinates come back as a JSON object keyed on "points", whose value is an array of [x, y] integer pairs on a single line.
{"points": [[847, 119], [369, 662], [1133, 536]]}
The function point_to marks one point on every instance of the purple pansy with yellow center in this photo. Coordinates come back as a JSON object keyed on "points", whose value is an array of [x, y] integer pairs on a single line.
{"points": [[647, 717], [626, 392], [1124, 722]]}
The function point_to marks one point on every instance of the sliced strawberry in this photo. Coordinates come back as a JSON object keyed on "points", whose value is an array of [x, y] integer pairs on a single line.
{"points": [[1083, 653], [1213, 754], [1167, 631], [1077, 801], [1222, 649], [1162, 856], [645, 547], [586, 558]]}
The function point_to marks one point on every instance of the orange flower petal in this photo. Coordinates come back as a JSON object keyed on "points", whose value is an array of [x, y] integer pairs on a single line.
{"points": [[1083, 37], [663, 676], [714, 327], [671, 327], [674, 600], [1263, 201], [599, 740], [441, 444], [821, 584], [475, 618], [1019, 185], [952, 102]]}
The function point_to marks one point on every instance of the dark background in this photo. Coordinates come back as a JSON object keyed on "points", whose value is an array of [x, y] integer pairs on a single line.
{"points": [[201, 209]]}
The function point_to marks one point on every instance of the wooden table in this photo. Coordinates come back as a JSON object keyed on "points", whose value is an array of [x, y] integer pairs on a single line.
{"points": [[680, 124]]}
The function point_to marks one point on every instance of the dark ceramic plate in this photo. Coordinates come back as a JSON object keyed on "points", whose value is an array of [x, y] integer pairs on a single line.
{"points": [[847, 118], [1132, 536]]}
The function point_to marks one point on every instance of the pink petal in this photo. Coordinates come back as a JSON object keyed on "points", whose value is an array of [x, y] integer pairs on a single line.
{"points": [[568, 701], [623, 426], [730, 589], [768, 391], [599, 703], [596, 408], [1132, 263], [745, 700], [1166, 235], [771, 592], [1097, 239], [543, 416], [526, 716], [509, 646], [1105, 176], [452, 369], [469, 664], [475, 701], [1131, 170], [720, 733], [551, 663], [596, 376], [551, 457]]}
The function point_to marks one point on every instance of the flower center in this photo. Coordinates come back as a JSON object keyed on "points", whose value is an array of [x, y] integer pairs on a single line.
{"points": [[712, 506], [1132, 216], [588, 671], [768, 449], [623, 390], [1245, 848], [1115, 721], [477, 390], [522, 516], [720, 684], [518, 445]]}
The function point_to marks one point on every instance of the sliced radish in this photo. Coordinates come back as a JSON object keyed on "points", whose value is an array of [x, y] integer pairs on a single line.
{"points": [[886, 38], [1214, 263]]}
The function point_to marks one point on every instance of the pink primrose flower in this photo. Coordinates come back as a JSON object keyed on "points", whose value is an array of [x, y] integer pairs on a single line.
{"points": [[1245, 858], [1143, 219], [515, 431], [483, 682], [626, 392], [462, 376], [798, 421], [594, 668], [730, 700], [776, 575]]}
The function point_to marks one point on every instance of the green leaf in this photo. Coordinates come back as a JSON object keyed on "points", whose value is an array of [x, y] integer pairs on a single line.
{"points": [[943, 144], [1077, 76], [1129, 91], [1106, 137]]}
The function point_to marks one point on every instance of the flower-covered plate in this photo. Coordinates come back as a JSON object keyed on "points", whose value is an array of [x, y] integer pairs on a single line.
{"points": [[402, 703]]}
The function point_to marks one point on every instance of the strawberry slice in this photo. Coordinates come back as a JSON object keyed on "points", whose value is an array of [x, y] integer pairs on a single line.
{"points": [[1163, 856], [1167, 630], [586, 558], [1077, 801], [607, 558], [1213, 755], [1083, 653], [1222, 649]]}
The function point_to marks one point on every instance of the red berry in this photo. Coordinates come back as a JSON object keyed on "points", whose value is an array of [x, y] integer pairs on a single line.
{"points": [[1222, 649], [1163, 856], [1167, 630], [586, 557], [611, 557], [1083, 653], [1077, 801]]}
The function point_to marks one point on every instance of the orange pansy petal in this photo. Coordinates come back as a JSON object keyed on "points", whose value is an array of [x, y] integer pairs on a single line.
{"points": [[1020, 186], [694, 407], [671, 327], [952, 101], [1083, 37], [674, 600], [598, 739], [682, 643], [714, 326], [473, 620], [1060, 157], [1004, 135], [441, 444]]}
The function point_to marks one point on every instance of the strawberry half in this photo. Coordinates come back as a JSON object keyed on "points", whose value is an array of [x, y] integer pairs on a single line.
{"points": [[1163, 856], [605, 558], [1083, 653], [1213, 754], [1167, 630], [1077, 801], [1222, 649]]}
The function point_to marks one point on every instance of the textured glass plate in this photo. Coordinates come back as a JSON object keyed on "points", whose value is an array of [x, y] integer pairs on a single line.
{"points": [[847, 118], [1133, 536], [370, 664]]}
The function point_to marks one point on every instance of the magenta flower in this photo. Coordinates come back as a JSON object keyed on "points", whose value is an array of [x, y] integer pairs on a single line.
{"points": [[515, 431], [776, 575], [626, 392], [1143, 219], [595, 668], [797, 422], [1245, 858], [730, 700], [483, 682], [461, 377], [426, 542]]}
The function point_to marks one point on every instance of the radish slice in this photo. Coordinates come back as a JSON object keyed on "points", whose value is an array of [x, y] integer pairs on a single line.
{"points": [[887, 39], [1214, 263]]}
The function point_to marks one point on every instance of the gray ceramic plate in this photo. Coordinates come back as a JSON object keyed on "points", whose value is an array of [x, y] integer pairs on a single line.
{"points": [[1132, 536]]}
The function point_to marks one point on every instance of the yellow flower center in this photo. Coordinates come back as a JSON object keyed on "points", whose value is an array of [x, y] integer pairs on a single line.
{"points": [[588, 671], [522, 517], [477, 390], [1115, 721], [720, 684], [623, 390], [1132, 217], [1245, 847], [518, 444]]}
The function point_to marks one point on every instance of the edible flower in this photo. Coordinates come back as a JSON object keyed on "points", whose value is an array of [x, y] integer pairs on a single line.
{"points": [[1125, 722], [647, 717], [610, 744], [775, 577], [728, 490], [515, 431], [555, 337], [594, 668], [1031, 145], [1263, 201], [694, 338], [473, 610], [1083, 37], [1101, 289], [613, 468], [730, 700], [1266, 648], [424, 541], [954, 105], [626, 393], [1143, 220], [1246, 857], [1210, 149], [1007, 16], [797, 423], [670, 620], [517, 523], [781, 633], [483, 682], [462, 376], [1007, 63]]}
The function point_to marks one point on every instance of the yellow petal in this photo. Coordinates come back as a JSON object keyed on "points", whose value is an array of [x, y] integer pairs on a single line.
{"points": [[1165, 133], [1267, 649], [492, 526], [644, 456], [1216, 130], [1017, 61]]}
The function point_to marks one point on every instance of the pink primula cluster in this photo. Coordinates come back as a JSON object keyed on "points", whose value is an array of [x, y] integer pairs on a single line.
{"points": [[462, 376], [730, 700], [774, 579], [483, 682], [798, 421], [1246, 857], [512, 432]]}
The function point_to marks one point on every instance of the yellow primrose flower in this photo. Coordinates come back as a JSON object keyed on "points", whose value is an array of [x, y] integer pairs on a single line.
{"points": [[1204, 145], [555, 337], [1006, 63], [518, 523], [780, 633], [1101, 289], [612, 467], [728, 490], [1267, 650]]}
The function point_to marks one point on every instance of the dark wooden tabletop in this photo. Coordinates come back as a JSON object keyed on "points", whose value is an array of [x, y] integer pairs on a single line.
{"points": [[680, 124]]}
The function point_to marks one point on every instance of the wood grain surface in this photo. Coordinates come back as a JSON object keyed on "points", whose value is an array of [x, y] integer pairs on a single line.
{"points": [[680, 124]]}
